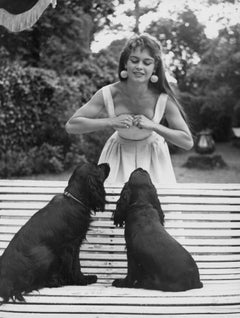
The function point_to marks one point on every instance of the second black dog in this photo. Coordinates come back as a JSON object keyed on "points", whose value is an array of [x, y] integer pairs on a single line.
{"points": [[155, 259]]}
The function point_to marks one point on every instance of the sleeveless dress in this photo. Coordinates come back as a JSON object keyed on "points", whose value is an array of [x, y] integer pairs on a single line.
{"points": [[131, 148]]}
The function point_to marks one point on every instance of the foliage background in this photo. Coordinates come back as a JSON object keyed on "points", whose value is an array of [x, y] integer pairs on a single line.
{"points": [[49, 71]]}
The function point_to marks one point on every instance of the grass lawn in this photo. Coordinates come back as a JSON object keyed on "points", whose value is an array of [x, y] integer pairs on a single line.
{"points": [[230, 174]]}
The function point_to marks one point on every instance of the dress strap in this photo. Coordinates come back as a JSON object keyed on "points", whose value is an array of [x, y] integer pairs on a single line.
{"points": [[160, 107], [108, 101]]}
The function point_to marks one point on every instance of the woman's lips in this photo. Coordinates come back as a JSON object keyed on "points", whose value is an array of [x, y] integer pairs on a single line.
{"points": [[138, 74]]}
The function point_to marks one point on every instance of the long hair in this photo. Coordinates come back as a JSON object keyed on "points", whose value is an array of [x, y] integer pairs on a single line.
{"points": [[145, 41]]}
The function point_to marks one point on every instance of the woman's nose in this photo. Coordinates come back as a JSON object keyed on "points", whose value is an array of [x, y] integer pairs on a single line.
{"points": [[139, 65]]}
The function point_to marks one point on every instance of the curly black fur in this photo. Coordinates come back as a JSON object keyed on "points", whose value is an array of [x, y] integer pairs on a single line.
{"points": [[155, 259], [45, 251]]}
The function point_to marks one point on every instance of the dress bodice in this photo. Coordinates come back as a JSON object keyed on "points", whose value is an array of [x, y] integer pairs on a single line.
{"points": [[134, 133]]}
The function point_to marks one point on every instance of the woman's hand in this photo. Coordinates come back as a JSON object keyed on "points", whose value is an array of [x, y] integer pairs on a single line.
{"points": [[122, 121], [142, 121]]}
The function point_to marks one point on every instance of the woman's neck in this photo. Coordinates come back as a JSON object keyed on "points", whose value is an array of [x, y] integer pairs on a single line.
{"points": [[135, 90]]}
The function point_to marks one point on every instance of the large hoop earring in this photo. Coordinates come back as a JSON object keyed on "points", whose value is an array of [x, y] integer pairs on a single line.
{"points": [[154, 78], [124, 74]]}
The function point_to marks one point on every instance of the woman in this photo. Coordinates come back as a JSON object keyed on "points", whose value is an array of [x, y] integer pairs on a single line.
{"points": [[134, 107]]}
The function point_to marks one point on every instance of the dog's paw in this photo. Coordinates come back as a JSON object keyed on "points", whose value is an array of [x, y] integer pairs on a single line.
{"points": [[86, 280], [19, 297], [119, 283], [118, 223], [116, 283], [54, 282], [91, 279]]}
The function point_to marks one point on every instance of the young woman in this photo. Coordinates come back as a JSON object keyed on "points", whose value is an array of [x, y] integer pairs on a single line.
{"points": [[134, 107]]}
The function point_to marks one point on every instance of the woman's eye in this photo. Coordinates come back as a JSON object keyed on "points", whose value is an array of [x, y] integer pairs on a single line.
{"points": [[134, 60]]}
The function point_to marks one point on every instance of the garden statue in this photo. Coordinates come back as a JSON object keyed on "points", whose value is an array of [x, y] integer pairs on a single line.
{"points": [[205, 143], [205, 146]]}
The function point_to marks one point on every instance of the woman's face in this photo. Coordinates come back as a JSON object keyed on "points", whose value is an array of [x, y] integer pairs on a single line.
{"points": [[140, 65]]}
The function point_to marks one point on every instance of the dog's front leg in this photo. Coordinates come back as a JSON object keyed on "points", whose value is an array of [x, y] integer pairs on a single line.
{"points": [[132, 275], [78, 277], [68, 269]]}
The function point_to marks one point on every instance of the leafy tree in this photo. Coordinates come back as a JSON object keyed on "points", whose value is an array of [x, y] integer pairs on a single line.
{"points": [[61, 36], [216, 79], [183, 41], [221, 1], [139, 11]]}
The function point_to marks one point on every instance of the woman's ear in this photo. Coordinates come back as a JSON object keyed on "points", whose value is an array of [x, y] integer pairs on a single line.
{"points": [[119, 215]]}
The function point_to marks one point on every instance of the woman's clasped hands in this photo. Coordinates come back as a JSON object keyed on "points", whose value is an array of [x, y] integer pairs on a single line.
{"points": [[128, 120], [142, 121]]}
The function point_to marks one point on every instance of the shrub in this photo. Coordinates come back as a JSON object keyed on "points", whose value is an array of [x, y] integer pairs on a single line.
{"points": [[236, 115], [35, 105], [92, 144], [15, 163], [74, 156], [30, 111], [47, 158], [212, 111]]}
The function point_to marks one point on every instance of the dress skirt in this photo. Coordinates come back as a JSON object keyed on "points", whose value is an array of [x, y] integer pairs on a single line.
{"points": [[125, 155]]}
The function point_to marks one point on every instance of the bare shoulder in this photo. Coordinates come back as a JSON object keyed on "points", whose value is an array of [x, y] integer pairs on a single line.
{"points": [[171, 106], [93, 108], [116, 89], [97, 97]]}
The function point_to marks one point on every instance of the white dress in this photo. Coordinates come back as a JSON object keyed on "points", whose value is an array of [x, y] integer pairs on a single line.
{"points": [[131, 148]]}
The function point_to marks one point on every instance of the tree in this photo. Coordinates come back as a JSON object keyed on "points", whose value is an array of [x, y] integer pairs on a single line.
{"points": [[42, 98], [61, 36], [216, 80], [140, 11], [183, 41]]}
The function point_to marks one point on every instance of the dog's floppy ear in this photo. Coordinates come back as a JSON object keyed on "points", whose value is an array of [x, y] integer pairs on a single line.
{"points": [[156, 204], [119, 215], [96, 193]]}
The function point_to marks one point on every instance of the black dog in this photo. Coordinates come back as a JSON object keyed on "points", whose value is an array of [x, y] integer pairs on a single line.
{"points": [[45, 251], [155, 259]]}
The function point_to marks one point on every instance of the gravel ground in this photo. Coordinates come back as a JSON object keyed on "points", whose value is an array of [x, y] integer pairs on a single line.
{"points": [[230, 174]]}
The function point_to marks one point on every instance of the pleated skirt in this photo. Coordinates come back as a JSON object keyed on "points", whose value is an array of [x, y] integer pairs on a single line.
{"points": [[125, 155]]}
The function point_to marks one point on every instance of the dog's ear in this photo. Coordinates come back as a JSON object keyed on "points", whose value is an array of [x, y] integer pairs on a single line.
{"points": [[96, 193], [119, 215], [157, 205]]}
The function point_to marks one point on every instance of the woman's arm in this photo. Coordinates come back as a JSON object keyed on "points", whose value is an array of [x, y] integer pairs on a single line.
{"points": [[88, 118], [177, 133]]}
